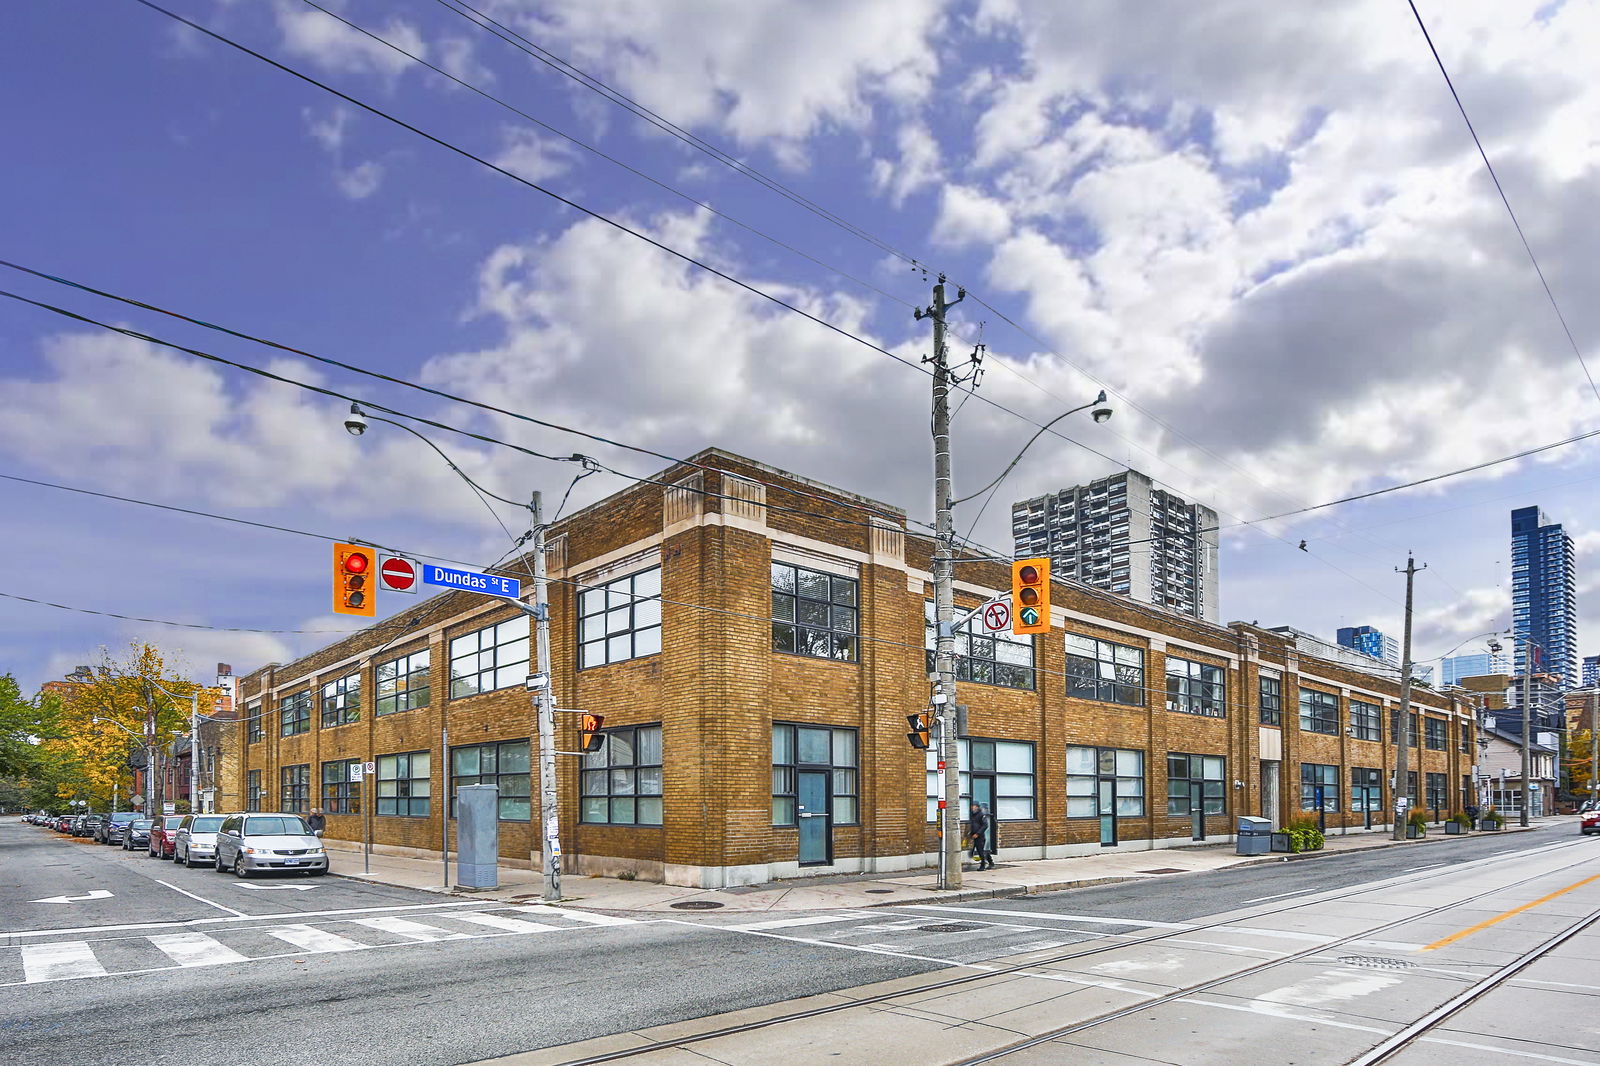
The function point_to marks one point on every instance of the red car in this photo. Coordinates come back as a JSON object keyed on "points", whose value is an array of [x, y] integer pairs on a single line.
{"points": [[1590, 823], [163, 836]]}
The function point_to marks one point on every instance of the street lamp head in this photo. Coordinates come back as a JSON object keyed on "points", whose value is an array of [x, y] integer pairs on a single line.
{"points": [[1103, 411], [355, 423]]}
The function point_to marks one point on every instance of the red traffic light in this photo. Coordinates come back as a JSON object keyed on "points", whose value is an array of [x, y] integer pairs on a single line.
{"points": [[1028, 574], [356, 563]]}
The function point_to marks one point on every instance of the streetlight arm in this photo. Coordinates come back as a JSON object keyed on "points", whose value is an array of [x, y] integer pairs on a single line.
{"points": [[1012, 465], [112, 721], [462, 474]]}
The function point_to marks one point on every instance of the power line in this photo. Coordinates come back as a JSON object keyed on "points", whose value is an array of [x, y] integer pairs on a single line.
{"points": [[167, 622], [1505, 200]]}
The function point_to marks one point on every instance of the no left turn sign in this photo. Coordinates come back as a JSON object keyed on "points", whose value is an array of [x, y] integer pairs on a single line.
{"points": [[397, 575], [997, 616]]}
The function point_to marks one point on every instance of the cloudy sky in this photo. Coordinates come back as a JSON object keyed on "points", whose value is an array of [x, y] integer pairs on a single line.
{"points": [[1263, 228]]}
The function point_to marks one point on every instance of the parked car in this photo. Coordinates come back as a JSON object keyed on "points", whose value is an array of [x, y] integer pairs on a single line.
{"points": [[63, 823], [138, 834], [256, 842], [196, 839], [111, 830], [1590, 823], [161, 832], [87, 825]]}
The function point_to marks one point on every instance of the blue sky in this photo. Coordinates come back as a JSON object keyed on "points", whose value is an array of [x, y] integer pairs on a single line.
{"points": [[1266, 231]]}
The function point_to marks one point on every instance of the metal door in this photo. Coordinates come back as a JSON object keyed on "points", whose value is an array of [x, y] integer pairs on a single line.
{"points": [[1108, 812], [816, 833]]}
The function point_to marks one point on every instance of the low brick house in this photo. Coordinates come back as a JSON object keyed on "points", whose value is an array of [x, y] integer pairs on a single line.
{"points": [[755, 640]]}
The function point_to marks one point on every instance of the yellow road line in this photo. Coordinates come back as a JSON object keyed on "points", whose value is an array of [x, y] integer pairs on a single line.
{"points": [[1453, 937]]}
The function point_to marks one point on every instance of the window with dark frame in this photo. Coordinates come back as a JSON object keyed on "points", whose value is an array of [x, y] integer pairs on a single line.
{"points": [[831, 750], [1464, 736], [1196, 780], [814, 613], [504, 764], [489, 659], [1104, 671], [621, 783], [1433, 734], [1009, 762], [1195, 687], [1314, 775], [294, 713], [294, 787], [1438, 791], [404, 785], [986, 658], [1366, 720], [340, 795], [1087, 767], [1394, 731], [620, 619], [1271, 696], [402, 684], [1319, 712], [257, 725], [254, 793], [341, 701], [1366, 789]]}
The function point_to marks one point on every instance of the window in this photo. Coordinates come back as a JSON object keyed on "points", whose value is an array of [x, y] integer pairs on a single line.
{"points": [[402, 684], [798, 749], [1366, 720], [1005, 774], [814, 613], [1433, 734], [1394, 732], [620, 619], [622, 781], [341, 701], [987, 658], [1314, 776], [254, 794], [490, 658], [404, 786], [257, 730], [1089, 768], [1196, 780], [1319, 712], [294, 783], [1101, 670], [1366, 789], [1438, 792], [1194, 688], [294, 712], [1464, 735], [340, 795], [504, 765], [1271, 700]]}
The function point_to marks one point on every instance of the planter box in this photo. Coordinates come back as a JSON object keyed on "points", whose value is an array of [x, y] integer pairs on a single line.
{"points": [[1454, 829], [1489, 826], [1413, 833], [1280, 841]]}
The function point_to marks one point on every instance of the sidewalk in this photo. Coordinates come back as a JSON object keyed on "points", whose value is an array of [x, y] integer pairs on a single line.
{"points": [[854, 891]]}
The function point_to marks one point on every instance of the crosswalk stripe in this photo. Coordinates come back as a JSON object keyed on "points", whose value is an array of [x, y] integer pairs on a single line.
{"points": [[789, 923], [409, 929], [588, 917], [310, 938], [195, 949], [58, 962], [500, 921]]}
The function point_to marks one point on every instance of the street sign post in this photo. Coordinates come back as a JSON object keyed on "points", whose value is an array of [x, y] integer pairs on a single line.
{"points": [[397, 574], [472, 581]]}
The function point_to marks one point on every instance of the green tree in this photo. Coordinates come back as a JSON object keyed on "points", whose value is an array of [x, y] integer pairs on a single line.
{"points": [[23, 723]]}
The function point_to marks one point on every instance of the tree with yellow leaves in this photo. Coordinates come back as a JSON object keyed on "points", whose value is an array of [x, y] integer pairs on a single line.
{"points": [[1580, 763]]}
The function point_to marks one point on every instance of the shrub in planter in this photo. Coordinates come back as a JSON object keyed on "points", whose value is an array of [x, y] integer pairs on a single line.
{"points": [[1304, 835], [1492, 820], [1457, 824], [1416, 826]]}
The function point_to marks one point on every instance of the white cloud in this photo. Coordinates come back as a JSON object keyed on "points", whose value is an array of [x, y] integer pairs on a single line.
{"points": [[360, 181], [531, 155], [333, 46]]}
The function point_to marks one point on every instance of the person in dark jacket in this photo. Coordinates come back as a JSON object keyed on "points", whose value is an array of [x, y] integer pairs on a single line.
{"points": [[317, 822], [981, 825]]}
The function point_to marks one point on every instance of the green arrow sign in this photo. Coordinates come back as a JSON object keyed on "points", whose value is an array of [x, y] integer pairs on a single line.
{"points": [[1028, 616]]}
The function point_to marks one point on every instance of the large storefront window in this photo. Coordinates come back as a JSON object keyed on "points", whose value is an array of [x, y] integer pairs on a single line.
{"points": [[1101, 670], [1319, 782], [1114, 775], [504, 765], [828, 753], [1195, 781], [1001, 772], [622, 781], [1366, 789]]}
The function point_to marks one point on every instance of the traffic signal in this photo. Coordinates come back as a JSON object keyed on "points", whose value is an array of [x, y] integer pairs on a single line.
{"points": [[921, 735], [589, 736], [352, 581], [1030, 596]]}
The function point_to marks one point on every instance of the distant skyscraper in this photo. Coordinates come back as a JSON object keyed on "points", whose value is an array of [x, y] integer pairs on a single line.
{"points": [[1454, 667], [1124, 535], [1370, 641], [1544, 597], [1591, 670]]}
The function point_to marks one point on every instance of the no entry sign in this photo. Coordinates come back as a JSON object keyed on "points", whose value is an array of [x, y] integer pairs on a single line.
{"points": [[397, 575]]}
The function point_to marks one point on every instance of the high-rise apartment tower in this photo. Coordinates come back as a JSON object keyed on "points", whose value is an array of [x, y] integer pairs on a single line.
{"points": [[1370, 641], [1544, 596]]}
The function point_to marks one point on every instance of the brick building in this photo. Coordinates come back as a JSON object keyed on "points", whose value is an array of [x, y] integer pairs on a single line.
{"points": [[755, 641]]}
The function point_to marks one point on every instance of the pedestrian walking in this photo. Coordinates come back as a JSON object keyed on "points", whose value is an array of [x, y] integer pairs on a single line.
{"points": [[980, 825], [317, 822]]}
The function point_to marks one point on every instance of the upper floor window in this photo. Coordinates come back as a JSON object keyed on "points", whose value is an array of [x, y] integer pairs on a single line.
{"points": [[294, 713], [987, 658], [341, 701], [1195, 688], [256, 727], [1366, 720], [620, 619], [1433, 734], [1271, 695], [1394, 729], [402, 684], [490, 658], [622, 781], [814, 613], [1319, 711], [1101, 670]]}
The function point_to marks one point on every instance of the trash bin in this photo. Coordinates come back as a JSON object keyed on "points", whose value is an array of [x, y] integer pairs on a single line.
{"points": [[1255, 836]]}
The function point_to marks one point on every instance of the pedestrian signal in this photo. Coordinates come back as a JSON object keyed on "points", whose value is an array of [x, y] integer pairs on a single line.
{"points": [[352, 581], [921, 729], [589, 736], [1030, 596]]}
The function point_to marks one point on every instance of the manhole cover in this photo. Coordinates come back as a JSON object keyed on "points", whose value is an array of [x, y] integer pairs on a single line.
{"points": [[1163, 870], [949, 927], [1375, 962], [880, 891], [696, 905]]}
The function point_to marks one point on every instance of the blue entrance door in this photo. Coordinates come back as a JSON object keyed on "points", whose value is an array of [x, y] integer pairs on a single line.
{"points": [[816, 835]]}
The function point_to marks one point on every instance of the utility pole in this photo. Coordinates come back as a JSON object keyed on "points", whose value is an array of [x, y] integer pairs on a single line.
{"points": [[545, 702], [1403, 732], [1594, 744], [194, 751], [1527, 727], [944, 687]]}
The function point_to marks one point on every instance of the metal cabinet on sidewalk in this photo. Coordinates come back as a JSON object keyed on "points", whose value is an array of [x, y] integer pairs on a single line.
{"points": [[1255, 836], [478, 836]]}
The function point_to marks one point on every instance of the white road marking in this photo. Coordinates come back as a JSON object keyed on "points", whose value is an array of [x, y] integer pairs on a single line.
{"points": [[500, 921], [60, 962], [1280, 895], [409, 929], [273, 888], [97, 893], [195, 949], [310, 938], [1089, 918], [202, 899], [789, 923], [239, 916], [588, 917]]}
